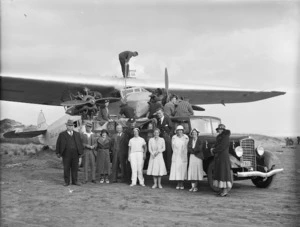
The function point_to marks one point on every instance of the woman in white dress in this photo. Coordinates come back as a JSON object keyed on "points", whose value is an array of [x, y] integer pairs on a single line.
{"points": [[195, 149], [179, 158], [156, 167]]}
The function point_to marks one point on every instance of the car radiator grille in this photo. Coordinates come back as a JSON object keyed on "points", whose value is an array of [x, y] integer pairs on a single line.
{"points": [[249, 154]]}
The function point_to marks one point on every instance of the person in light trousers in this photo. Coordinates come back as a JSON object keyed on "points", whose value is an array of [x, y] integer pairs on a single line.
{"points": [[136, 156]]}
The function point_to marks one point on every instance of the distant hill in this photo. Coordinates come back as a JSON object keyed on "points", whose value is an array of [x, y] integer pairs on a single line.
{"points": [[268, 141], [7, 125]]}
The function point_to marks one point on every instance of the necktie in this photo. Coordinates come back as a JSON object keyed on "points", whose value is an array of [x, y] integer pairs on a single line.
{"points": [[71, 133]]}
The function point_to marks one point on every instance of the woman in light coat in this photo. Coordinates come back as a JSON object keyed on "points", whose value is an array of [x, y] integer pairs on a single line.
{"points": [[179, 158]]}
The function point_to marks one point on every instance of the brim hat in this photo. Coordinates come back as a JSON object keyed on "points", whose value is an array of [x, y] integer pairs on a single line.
{"points": [[103, 131], [221, 126], [194, 129], [88, 124], [137, 129], [179, 127], [70, 123]]}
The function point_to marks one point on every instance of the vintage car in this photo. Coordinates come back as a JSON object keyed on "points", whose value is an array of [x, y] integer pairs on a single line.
{"points": [[248, 160]]}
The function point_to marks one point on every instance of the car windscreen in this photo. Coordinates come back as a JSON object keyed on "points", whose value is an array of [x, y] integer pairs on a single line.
{"points": [[184, 123], [215, 123], [202, 124]]}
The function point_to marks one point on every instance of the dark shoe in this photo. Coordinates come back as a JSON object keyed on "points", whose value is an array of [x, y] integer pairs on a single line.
{"points": [[93, 181], [77, 184], [66, 184]]}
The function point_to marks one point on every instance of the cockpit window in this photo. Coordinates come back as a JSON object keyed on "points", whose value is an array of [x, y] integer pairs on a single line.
{"points": [[126, 91]]}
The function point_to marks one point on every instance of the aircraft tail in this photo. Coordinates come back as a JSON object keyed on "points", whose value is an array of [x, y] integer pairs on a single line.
{"points": [[41, 122]]}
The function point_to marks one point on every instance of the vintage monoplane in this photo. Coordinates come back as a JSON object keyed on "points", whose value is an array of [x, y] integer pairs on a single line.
{"points": [[85, 94], [82, 96]]}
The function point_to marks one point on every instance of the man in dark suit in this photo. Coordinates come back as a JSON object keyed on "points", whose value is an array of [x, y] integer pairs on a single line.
{"points": [[69, 147], [120, 154], [124, 58], [165, 126], [89, 142]]}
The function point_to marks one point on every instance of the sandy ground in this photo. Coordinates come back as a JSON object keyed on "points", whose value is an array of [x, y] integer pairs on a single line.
{"points": [[32, 195]]}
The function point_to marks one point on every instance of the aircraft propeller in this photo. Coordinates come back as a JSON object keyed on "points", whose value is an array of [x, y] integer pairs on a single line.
{"points": [[167, 82]]}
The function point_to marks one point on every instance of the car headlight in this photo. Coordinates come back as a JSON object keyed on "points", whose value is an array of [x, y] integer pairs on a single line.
{"points": [[260, 150], [239, 151]]}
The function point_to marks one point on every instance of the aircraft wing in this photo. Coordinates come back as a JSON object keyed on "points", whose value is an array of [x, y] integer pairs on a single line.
{"points": [[46, 91], [198, 97], [52, 91], [27, 134]]}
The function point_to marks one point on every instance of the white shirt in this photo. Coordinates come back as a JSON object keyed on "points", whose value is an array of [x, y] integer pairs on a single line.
{"points": [[194, 143], [161, 120], [70, 133], [88, 134], [136, 144]]}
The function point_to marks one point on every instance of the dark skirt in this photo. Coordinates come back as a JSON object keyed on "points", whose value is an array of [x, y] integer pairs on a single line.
{"points": [[103, 161], [222, 172]]}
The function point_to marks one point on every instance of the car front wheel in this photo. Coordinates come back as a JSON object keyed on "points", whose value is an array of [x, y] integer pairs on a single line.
{"points": [[261, 182]]}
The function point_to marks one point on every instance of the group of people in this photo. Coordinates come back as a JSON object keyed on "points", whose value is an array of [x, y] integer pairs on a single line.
{"points": [[176, 155]]}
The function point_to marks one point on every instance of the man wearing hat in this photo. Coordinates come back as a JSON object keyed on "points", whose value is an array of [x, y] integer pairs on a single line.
{"points": [[69, 147], [89, 142], [104, 112]]}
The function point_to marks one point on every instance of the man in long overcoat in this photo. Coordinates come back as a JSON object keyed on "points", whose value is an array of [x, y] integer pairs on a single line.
{"points": [[120, 154], [165, 126], [69, 147]]}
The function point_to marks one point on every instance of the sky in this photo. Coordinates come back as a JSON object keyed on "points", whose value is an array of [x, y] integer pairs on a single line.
{"points": [[241, 44]]}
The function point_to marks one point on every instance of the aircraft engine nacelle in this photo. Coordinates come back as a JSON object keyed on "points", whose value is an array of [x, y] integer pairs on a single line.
{"points": [[138, 99]]}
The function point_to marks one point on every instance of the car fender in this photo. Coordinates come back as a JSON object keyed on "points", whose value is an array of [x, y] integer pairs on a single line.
{"points": [[270, 160]]}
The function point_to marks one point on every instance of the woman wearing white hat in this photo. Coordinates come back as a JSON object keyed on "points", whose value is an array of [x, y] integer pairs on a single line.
{"points": [[179, 158]]}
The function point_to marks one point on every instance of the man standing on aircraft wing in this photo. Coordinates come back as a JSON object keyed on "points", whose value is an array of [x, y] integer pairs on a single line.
{"points": [[69, 147], [124, 58], [89, 142], [169, 108], [183, 108]]}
